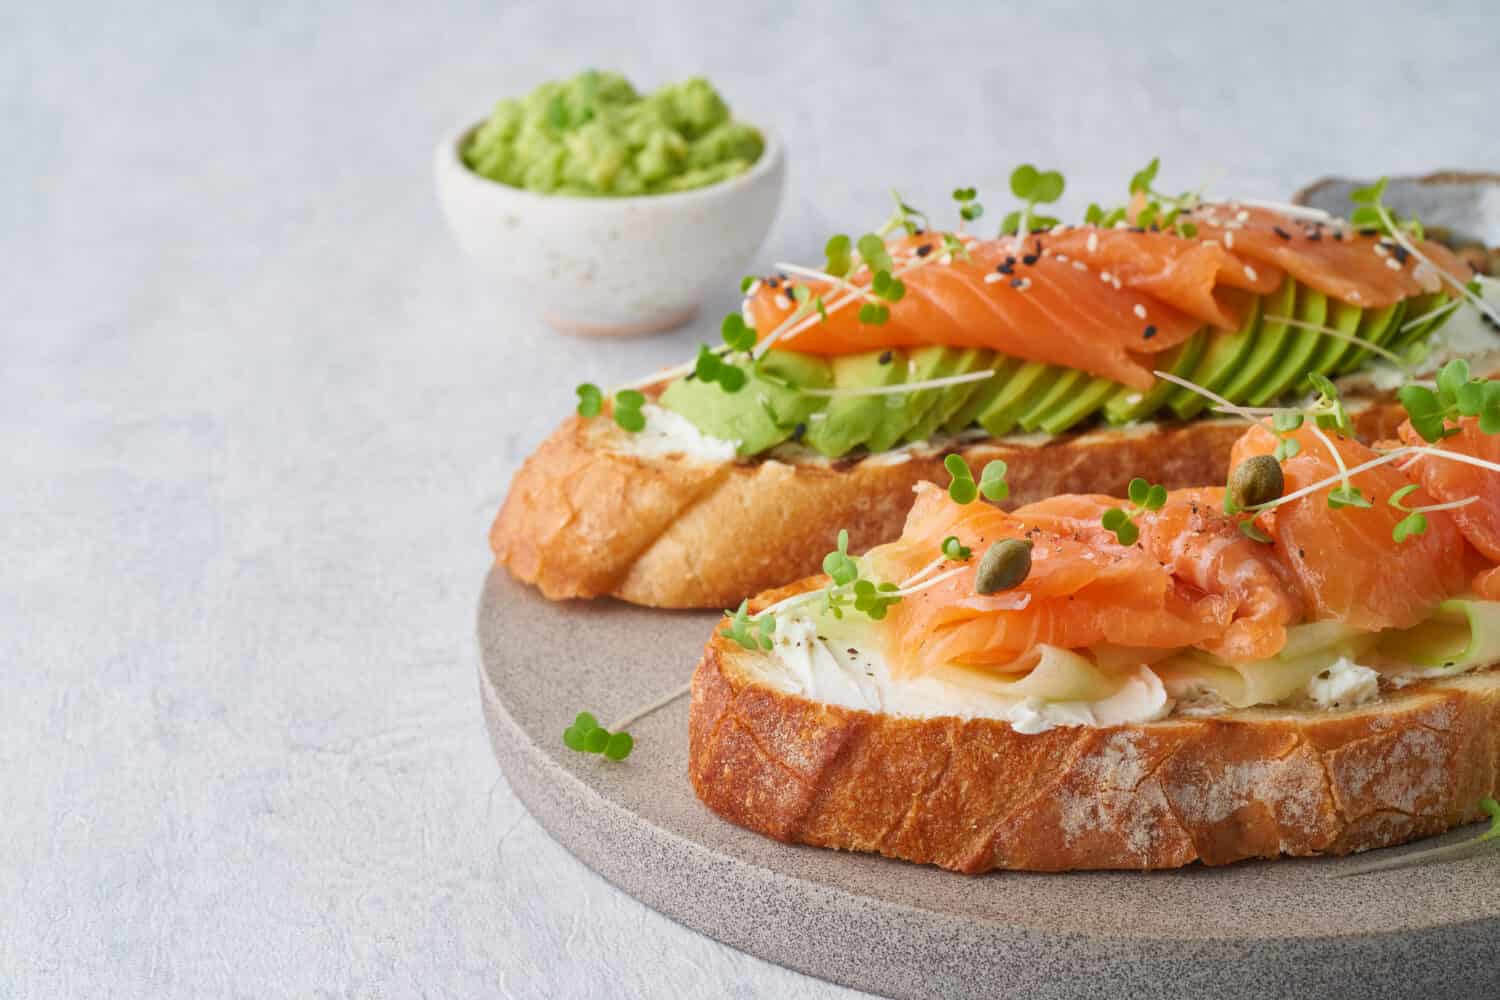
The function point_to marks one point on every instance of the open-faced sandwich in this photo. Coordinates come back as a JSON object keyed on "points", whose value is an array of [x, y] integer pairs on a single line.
{"points": [[1058, 349], [1297, 663]]}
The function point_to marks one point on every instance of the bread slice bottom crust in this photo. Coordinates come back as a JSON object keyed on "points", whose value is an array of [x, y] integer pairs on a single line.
{"points": [[585, 518], [973, 795]]}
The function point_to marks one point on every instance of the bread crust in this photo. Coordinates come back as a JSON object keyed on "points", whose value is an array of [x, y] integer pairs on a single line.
{"points": [[586, 518], [974, 795]]}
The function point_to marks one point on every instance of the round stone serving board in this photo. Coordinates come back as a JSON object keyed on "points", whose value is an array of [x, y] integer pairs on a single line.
{"points": [[1285, 928]]}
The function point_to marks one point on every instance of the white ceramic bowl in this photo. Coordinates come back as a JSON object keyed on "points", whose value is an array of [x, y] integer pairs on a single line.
{"points": [[611, 266]]}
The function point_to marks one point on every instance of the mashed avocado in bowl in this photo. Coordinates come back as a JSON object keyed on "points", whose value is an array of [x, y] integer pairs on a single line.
{"points": [[595, 136]]}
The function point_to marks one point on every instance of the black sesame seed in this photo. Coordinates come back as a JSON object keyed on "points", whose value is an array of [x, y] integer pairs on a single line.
{"points": [[1338, 236], [1314, 235], [1368, 232], [886, 357], [852, 651], [1148, 333], [924, 249], [1029, 259], [1018, 282], [1281, 232], [798, 432], [1400, 253], [773, 282], [1007, 266]]}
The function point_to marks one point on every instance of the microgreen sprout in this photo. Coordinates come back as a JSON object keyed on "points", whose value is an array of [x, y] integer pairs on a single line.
{"points": [[1144, 496], [955, 248], [590, 400], [837, 258], [968, 208], [710, 367], [1283, 422], [1328, 410], [1161, 210], [874, 599], [585, 735], [628, 403], [873, 252], [839, 564], [1415, 521], [747, 283], [1095, 215], [1034, 187], [955, 550], [1372, 213], [1456, 395], [751, 631], [904, 218], [738, 335], [963, 488]]}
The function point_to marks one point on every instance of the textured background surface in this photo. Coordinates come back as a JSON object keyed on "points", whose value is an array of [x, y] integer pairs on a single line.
{"points": [[256, 412]]}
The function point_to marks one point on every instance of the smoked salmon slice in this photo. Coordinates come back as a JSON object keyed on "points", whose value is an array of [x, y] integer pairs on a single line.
{"points": [[1453, 481], [1201, 547], [1346, 563], [1369, 271], [1025, 305], [1079, 592], [1101, 301]]}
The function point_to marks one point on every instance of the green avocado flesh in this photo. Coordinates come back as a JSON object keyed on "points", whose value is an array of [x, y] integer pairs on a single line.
{"points": [[1266, 359]]}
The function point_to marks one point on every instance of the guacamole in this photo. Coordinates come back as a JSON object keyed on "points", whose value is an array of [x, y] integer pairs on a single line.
{"points": [[595, 136]]}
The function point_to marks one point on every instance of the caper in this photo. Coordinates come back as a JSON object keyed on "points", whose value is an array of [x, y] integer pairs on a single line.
{"points": [[1256, 481], [1005, 565]]}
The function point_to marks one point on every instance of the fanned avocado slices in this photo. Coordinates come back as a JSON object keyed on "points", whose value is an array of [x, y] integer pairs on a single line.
{"points": [[1265, 359]]}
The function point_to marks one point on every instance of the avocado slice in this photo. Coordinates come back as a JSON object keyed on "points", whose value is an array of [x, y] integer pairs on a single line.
{"points": [[1078, 407], [1020, 392], [1298, 348], [1417, 306], [1376, 326], [1344, 317], [968, 414], [849, 421], [1272, 339], [1065, 386], [904, 410], [1128, 403], [1222, 357], [762, 414], [951, 399]]}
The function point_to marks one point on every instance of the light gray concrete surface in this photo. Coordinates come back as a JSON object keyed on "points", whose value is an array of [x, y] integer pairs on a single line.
{"points": [[256, 413]]}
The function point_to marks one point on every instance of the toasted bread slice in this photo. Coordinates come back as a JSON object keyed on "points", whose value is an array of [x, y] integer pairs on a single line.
{"points": [[973, 795], [588, 516]]}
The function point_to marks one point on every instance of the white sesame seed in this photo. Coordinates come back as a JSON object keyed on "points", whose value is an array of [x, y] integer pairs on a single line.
{"points": [[754, 287], [1250, 273], [1062, 258], [1381, 251], [1140, 310], [1393, 263], [1105, 277], [782, 302], [1355, 296], [1023, 284], [992, 277], [1093, 243], [1116, 283], [1229, 238], [945, 259], [1242, 216], [1080, 265]]}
